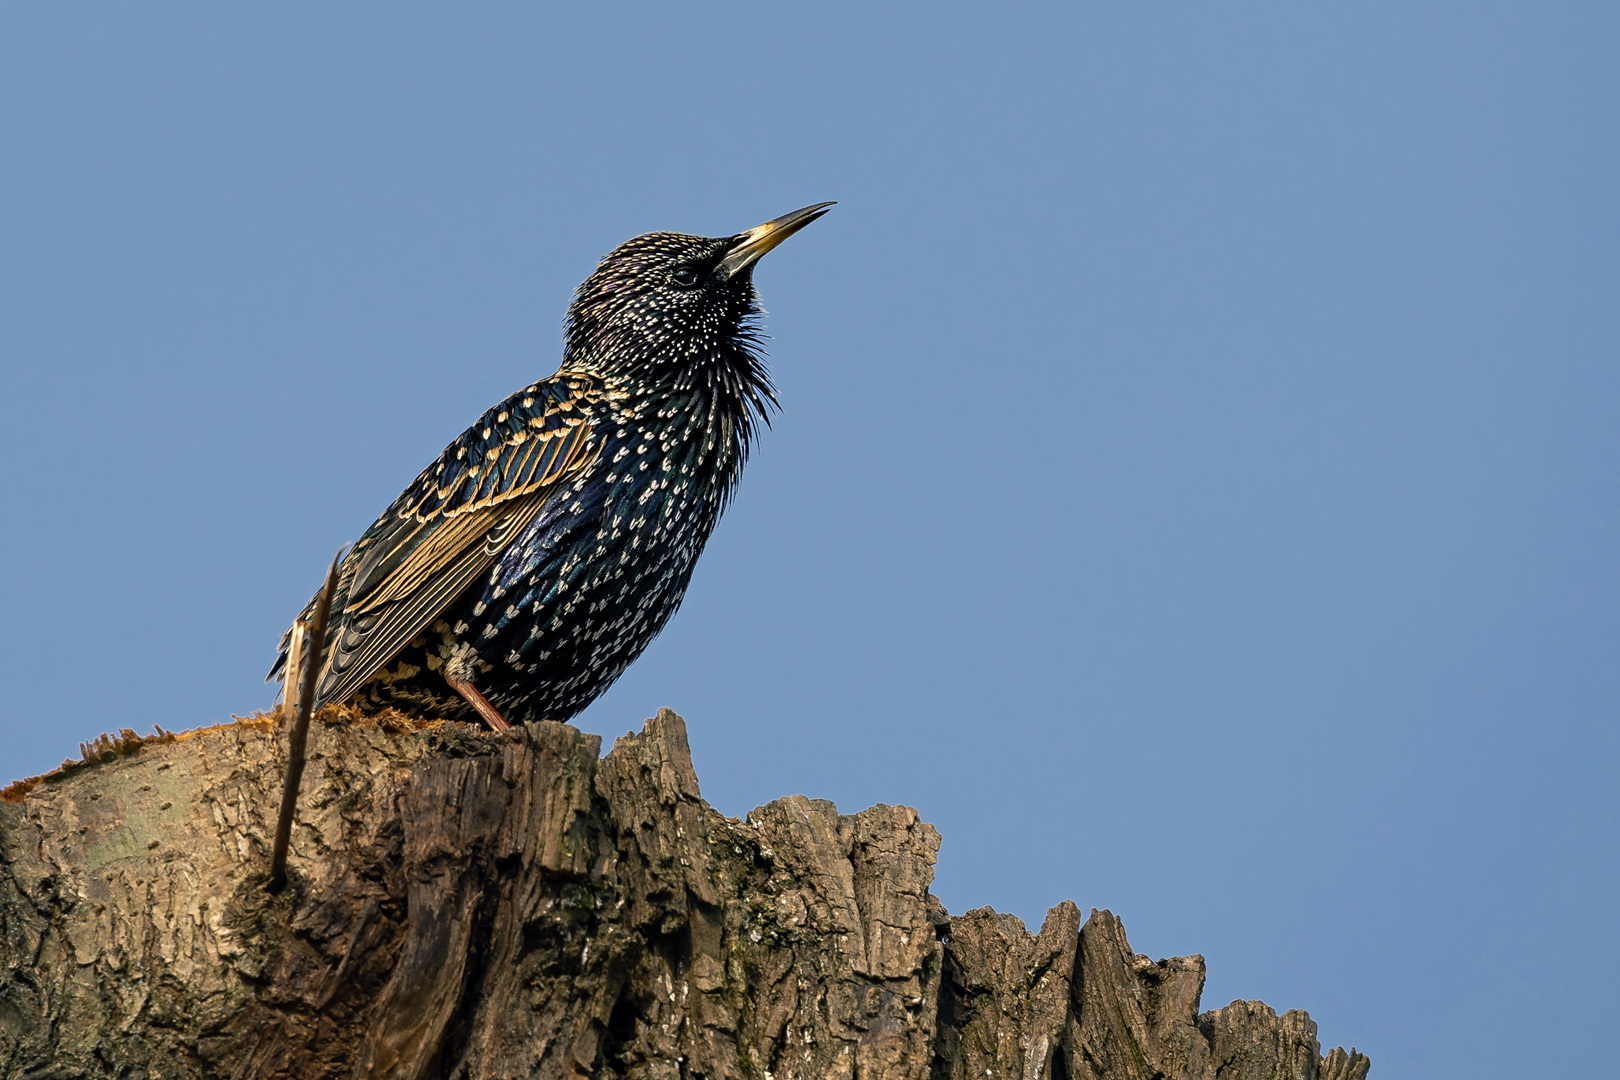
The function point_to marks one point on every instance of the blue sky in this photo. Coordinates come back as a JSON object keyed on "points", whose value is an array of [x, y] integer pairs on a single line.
{"points": [[1196, 485]]}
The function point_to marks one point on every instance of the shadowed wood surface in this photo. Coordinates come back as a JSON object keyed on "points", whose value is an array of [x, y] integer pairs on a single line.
{"points": [[476, 906]]}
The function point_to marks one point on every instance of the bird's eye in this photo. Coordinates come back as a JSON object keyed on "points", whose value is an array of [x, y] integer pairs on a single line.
{"points": [[685, 277]]}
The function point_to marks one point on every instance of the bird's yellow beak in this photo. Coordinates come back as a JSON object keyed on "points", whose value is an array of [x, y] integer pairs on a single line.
{"points": [[749, 247]]}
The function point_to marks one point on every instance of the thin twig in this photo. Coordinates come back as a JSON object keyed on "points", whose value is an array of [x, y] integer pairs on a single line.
{"points": [[304, 684], [292, 672]]}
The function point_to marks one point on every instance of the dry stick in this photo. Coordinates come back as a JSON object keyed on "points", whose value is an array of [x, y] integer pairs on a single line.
{"points": [[304, 685], [293, 673]]}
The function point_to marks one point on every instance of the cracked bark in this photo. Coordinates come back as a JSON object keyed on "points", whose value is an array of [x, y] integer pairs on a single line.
{"points": [[479, 907]]}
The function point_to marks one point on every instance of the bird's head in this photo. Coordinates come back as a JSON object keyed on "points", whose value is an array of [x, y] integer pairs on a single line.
{"points": [[667, 305]]}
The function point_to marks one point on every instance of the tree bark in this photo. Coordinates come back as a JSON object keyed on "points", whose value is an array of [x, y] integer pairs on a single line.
{"points": [[474, 906]]}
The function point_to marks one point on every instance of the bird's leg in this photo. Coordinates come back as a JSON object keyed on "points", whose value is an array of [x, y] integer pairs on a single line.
{"points": [[458, 672], [490, 713]]}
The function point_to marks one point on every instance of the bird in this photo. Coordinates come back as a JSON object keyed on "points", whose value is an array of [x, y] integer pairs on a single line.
{"points": [[525, 568]]}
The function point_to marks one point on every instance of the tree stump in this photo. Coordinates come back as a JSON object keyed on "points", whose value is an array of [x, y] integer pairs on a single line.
{"points": [[475, 906]]}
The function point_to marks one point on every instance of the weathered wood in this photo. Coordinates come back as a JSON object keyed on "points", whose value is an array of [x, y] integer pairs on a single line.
{"points": [[476, 906]]}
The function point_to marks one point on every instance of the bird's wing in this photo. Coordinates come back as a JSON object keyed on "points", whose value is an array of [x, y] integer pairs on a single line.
{"points": [[519, 448], [451, 525]]}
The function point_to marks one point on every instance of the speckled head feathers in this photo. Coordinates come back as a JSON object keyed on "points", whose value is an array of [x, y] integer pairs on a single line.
{"points": [[655, 291], [665, 302]]}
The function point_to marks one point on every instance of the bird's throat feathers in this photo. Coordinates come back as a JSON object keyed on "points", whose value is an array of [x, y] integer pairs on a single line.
{"points": [[706, 357]]}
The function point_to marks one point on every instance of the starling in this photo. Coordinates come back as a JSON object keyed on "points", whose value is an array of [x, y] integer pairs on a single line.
{"points": [[542, 551]]}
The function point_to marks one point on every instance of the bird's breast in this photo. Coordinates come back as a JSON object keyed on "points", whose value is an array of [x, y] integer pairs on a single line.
{"points": [[623, 536]]}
